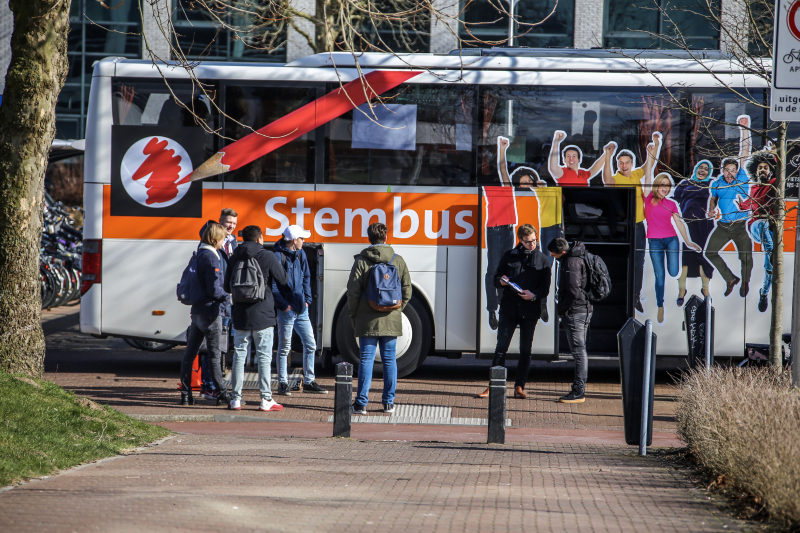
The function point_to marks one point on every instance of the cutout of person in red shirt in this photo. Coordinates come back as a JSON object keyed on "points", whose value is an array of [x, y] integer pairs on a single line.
{"points": [[571, 174], [762, 200], [501, 219]]}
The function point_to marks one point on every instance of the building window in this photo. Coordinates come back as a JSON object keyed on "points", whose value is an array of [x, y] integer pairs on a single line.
{"points": [[484, 26], [95, 32], [411, 34], [200, 36], [646, 25]]}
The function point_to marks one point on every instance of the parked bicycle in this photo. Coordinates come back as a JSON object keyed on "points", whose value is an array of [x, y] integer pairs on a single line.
{"points": [[60, 256]]}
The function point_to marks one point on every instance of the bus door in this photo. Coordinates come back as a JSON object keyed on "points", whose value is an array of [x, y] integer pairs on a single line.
{"points": [[316, 264], [604, 220]]}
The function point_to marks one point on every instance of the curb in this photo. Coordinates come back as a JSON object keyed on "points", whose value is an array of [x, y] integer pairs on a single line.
{"points": [[213, 418]]}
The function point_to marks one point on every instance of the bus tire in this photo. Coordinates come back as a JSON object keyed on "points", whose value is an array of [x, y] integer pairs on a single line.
{"points": [[418, 348]]}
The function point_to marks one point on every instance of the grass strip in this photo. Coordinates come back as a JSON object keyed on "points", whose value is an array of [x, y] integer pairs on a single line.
{"points": [[44, 428]]}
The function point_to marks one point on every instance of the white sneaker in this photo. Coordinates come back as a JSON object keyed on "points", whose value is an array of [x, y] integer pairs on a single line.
{"points": [[235, 405], [270, 405]]}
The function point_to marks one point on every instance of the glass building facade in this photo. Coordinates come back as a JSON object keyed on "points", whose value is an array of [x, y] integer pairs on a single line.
{"points": [[95, 32], [629, 26], [484, 26]]}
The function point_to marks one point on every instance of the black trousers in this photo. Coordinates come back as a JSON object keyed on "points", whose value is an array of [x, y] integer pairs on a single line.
{"points": [[210, 328], [505, 330]]}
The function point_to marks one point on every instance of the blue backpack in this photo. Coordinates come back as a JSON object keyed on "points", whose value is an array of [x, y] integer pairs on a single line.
{"points": [[190, 291], [385, 292]]}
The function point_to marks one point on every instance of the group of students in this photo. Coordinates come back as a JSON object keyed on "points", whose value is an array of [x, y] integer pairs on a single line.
{"points": [[285, 302]]}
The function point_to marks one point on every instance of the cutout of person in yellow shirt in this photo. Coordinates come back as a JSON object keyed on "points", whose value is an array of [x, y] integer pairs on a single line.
{"points": [[628, 175]]}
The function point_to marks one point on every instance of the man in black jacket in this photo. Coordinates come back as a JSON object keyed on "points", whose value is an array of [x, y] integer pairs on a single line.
{"points": [[254, 322], [529, 269], [574, 308]]}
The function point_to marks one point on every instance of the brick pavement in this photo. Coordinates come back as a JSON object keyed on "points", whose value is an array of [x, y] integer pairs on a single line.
{"points": [[240, 483], [142, 383]]}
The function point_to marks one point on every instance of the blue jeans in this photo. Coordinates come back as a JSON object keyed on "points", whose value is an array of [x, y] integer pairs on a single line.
{"points": [[367, 353], [762, 234], [576, 326], [288, 320], [659, 250], [262, 340]]}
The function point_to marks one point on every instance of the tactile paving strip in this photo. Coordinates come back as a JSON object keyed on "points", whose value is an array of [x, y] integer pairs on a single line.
{"points": [[419, 414], [251, 379]]}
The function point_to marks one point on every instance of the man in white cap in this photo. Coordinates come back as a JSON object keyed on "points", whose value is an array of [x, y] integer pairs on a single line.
{"points": [[292, 301]]}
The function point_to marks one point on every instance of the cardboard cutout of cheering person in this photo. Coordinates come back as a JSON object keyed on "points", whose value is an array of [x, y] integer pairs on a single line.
{"points": [[693, 195], [628, 175], [726, 193], [663, 217], [501, 219], [760, 168], [571, 174], [548, 218]]}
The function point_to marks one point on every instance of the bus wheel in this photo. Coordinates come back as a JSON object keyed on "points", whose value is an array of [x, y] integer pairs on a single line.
{"points": [[412, 346]]}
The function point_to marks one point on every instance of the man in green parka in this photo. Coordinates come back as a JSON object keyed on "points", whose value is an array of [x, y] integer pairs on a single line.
{"points": [[375, 327]]}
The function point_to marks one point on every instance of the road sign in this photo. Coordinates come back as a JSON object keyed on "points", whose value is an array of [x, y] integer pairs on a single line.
{"points": [[785, 95]]}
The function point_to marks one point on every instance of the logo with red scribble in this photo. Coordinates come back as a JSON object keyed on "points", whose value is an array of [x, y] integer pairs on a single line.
{"points": [[155, 171]]}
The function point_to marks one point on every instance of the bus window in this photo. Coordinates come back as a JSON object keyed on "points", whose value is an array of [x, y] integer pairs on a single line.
{"points": [[589, 117], [152, 103], [248, 108], [421, 135], [714, 135]]}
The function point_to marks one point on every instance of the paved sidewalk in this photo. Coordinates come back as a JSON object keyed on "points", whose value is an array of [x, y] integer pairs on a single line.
{"points": [[144, 384], [240, 483]]}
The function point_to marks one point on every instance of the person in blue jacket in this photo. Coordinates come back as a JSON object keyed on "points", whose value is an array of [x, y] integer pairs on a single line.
{"points": [[227, 219], [292, 301], [206, 316]]}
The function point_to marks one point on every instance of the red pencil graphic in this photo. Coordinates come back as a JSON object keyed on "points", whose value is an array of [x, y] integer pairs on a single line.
{"points": [[312, 115]]}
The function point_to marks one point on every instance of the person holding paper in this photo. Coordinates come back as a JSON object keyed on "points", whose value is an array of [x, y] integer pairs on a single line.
{"points": [[523, 275]]}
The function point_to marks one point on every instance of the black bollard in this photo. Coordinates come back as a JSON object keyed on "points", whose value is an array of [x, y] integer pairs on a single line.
{"points": [[497, 405], [342, 399], [632, 343]]}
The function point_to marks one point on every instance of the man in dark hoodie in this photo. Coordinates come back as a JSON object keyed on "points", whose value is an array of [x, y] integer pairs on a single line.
{"points": [[373, 327], [206, 319], [574, 308], [292, 302], [526, 267], [254, 323]]}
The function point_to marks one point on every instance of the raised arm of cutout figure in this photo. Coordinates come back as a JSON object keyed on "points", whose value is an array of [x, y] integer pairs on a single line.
{"points": [[553, 162], [502, 163]]}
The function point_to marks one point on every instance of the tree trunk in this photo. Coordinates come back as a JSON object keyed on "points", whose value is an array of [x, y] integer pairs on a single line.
{"points": [[27, 126], [776, 225]]}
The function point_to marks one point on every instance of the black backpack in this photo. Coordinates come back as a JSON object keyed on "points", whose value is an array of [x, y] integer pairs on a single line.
{"points": [[598, 281], [247, 282]]}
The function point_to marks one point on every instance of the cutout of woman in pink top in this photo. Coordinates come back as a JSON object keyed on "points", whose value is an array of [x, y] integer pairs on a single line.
{"points": [[660, 212]]}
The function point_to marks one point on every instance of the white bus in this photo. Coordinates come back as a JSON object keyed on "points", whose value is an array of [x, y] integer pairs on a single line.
{"points": [[432, 171]]}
